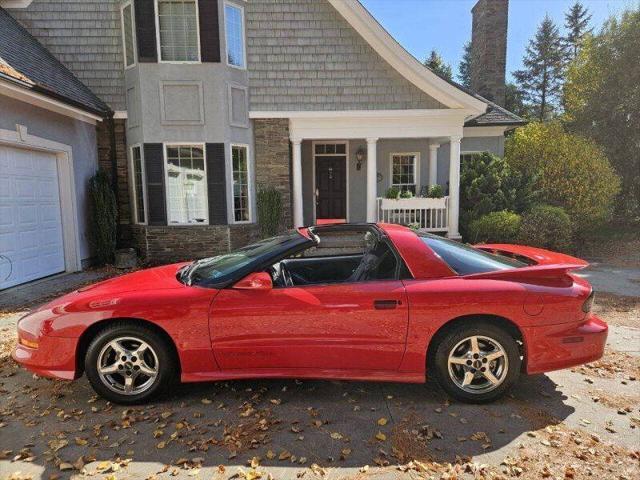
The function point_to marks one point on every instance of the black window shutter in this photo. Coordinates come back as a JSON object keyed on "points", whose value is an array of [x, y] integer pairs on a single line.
{"points": [[145, 15], [154, 169], [209, 31], [216, 183]]}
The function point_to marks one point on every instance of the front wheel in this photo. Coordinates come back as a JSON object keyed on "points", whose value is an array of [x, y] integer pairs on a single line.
{"points": [[128, 364], [477, 362]]}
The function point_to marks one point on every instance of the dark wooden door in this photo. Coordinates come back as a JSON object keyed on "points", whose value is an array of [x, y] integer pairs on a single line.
{"points": [[331, 187]]}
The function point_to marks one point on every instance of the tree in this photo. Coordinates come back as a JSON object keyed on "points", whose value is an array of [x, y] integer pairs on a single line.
{"points": [[602, 100], [577, 24], [436, 63], [464, 67], [514, 101], [542, 76], [570, 171]]}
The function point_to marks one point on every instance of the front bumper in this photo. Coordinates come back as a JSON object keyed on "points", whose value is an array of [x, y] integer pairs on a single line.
{"points": [[553, 347], [55, 357]]}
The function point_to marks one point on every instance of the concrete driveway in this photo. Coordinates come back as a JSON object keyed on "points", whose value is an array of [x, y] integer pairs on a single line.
{"points": [[579, 423]]}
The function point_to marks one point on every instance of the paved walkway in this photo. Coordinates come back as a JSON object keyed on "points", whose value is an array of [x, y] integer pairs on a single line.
{"points": [[616, 280]]}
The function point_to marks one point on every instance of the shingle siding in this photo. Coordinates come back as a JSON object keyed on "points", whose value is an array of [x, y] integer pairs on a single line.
{"points": [[85, 36], [303, 55]]}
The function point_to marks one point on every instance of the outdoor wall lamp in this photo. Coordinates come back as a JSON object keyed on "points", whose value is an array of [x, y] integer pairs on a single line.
{"points": [[361, 155]]}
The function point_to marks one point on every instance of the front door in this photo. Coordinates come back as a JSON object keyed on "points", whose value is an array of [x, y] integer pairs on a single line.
{"points": [[348, 326], [331, 187]]}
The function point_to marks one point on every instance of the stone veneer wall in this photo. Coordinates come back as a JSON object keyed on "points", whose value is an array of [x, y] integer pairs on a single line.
{"points": [[103, 133], [273, 160], [158, 245]]}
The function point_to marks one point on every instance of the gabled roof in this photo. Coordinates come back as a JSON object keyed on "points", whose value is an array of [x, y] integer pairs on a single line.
{"points": [[446, 91], [27, 63]]}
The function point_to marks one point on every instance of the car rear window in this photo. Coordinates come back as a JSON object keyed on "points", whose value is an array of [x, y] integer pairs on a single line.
{"points": [[464, 259]]}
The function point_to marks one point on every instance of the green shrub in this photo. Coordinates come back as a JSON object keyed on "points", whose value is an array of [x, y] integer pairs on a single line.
{"points": [[570, 171], [392, 193], [488, 184], [495, 227], [103, 217], [269, 202], [435, 191], [406, 194], [546, 226]]}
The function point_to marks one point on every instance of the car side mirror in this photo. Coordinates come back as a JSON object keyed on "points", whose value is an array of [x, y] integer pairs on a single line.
{"points": [[255, 281]]}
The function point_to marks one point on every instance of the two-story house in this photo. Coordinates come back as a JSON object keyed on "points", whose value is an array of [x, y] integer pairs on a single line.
{"points": [[207, 101]]}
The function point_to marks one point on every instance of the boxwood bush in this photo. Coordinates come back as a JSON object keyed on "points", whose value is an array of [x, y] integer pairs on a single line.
{"points": [[546, 226], [495, 227]]}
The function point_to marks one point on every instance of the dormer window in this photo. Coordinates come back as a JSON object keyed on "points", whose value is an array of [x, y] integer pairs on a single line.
{"points": [[234, 28], [178, 33]]}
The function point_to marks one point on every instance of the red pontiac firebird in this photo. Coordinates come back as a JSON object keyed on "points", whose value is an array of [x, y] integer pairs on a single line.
{"points": [[355, 301]]}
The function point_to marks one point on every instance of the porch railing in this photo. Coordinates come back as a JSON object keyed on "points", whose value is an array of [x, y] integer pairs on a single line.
{"points": [[427, 214]]}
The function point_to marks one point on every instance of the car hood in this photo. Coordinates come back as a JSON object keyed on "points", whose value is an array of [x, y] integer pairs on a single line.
{"points": [[157, 278]]}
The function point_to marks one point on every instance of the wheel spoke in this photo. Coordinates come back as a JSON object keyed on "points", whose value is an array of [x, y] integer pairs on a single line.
{"points": [[146, 369], [458, 360], [109, 369], [141, 349], [128, 384], [118, 348], [494, 355], [475, 348], [468, 378], [488, 374]]}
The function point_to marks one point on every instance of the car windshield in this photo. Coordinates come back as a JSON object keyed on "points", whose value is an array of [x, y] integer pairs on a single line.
{"points": [[221, 268], [464, 259]]}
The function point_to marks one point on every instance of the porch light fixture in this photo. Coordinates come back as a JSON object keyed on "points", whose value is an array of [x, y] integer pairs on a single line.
{"points": [[360, 157]]}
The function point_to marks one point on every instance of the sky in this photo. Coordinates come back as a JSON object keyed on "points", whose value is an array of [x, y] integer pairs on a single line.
{"points": [[421, 25]]}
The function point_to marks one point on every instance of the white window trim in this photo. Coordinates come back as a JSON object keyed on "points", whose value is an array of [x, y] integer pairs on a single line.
{"points": [[416, 172], [231, 218], [244, 35], [133, 185], [313, 169], [166, 145], [133, 35], [470, 152], [157, 20], [231, 86]]}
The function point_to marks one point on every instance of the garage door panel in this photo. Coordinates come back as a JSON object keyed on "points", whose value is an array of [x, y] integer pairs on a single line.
{"points": [[31, 226]]}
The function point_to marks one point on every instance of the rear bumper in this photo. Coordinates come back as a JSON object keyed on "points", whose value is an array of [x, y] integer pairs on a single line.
{"points": [[55, 357], [553, 347]]}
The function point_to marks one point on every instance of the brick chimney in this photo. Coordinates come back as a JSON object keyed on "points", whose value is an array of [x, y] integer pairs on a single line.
{"points": [[489, 49]]}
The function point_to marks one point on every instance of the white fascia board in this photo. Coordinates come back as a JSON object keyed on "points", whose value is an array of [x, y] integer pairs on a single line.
{"points": [[445, 113], [42, 101], [493, 131], [407, 65]]}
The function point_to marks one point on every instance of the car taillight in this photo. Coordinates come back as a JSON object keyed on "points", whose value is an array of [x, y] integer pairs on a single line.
{"points": [[588, 303]]}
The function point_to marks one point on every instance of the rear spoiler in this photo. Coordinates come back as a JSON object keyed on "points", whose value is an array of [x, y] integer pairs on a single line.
{"points": [[543, 264]]}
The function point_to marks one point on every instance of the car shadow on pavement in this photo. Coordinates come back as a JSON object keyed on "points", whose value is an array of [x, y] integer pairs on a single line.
{"points": [[286, 423]]}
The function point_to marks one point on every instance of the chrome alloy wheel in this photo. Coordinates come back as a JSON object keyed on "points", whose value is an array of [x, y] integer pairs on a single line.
{"points": [[478, 364], [127, 365]]}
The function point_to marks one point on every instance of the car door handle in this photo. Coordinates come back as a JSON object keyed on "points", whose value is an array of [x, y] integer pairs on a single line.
{"points": [[386, 304]]}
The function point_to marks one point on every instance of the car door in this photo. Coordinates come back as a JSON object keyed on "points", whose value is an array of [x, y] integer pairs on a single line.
{"points": [[346, 326]]}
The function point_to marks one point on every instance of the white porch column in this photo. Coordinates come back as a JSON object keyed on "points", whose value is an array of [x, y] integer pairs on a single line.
{"points": [[454, 186], [297, 182], [372, 180], [433, 163]]}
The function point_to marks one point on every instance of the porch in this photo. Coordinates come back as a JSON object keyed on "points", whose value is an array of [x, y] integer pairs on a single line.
{"points": [[343, 167]]}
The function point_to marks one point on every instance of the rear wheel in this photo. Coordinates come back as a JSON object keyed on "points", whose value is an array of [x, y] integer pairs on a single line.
{"points": [[476, 362], [128, 363]]}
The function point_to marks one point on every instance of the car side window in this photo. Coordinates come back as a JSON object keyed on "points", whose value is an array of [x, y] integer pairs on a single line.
{"points": [[340, 257]]}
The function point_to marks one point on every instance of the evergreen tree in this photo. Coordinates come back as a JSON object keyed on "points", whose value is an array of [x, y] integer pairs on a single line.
{"points": [[514, 101], [541, 79], [464, 67], [577, 25], [436, 63]]}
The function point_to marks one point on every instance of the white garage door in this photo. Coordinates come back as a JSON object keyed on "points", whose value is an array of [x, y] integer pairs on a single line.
{"points": [[31, 242]]}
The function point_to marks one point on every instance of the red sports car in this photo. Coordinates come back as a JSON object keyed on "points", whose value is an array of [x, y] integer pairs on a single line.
{"points": [[360, 302]]}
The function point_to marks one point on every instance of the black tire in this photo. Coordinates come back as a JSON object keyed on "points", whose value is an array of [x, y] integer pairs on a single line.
{"points": [[164, 361], [439, 361]]}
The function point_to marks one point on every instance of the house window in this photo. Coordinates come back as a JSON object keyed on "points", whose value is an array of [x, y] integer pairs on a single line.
{"points": [[240, 169], [139, 200], [186, 185], [178, 31], [128, 35], [234, 28], [467, 156], [404, 171]]}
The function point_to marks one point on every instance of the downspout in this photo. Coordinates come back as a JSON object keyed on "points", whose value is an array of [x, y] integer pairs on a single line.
{"points": [[114, 168]]}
